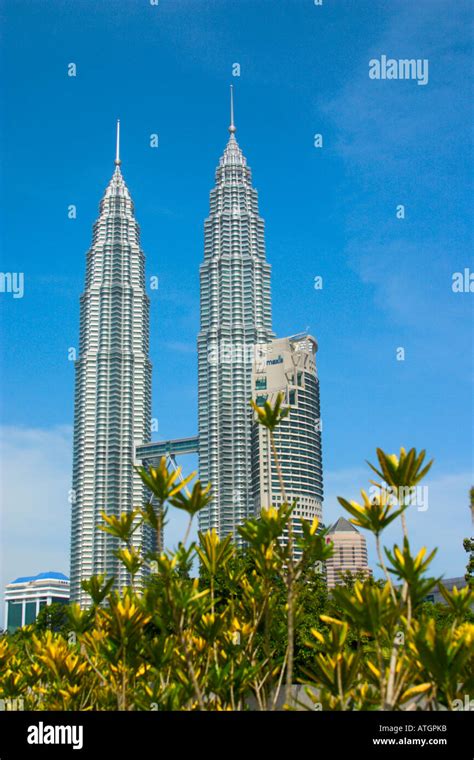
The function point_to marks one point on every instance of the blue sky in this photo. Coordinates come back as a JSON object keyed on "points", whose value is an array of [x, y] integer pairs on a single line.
{"points": [[331, 212]]}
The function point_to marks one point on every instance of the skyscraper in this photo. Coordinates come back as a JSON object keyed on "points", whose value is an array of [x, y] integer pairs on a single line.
{"points": [[288, 367], [113, 387], [235, 318]]}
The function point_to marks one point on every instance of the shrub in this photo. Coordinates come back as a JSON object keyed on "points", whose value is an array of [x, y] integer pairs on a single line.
{"points": [[253, 623]]}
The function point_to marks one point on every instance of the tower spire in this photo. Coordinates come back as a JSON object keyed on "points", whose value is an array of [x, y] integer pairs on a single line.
{"points": [[232, 125], [117, 148]]}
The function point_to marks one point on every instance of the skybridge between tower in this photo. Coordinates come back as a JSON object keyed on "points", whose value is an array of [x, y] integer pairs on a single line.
{"points": [[151, 453]]}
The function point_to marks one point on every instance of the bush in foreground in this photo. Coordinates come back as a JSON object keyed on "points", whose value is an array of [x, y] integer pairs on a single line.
{"points": [[250, 626]]}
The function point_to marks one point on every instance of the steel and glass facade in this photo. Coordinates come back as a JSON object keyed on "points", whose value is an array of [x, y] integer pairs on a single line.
{"points": [[113, 389], [235, 318]]}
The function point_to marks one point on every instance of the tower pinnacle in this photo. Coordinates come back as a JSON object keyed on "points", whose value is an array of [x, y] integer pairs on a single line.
{"points": [[232, 125], [117, 149]]}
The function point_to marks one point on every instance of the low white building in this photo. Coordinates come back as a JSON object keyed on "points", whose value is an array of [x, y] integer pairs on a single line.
{"points": [[435, 594], [26, 596]]}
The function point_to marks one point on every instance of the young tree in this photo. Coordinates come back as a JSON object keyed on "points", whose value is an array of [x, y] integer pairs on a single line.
{"points": [[52, 617], [468, 544]]}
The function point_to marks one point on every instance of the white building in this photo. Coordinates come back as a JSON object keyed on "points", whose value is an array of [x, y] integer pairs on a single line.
{"points": [[288, 366], [113, 388], [26, 596], [235, 317]]}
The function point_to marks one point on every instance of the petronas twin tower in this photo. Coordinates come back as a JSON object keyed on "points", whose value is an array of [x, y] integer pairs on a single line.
{"points": [[113, 387], [113, 371], [235, 319]]}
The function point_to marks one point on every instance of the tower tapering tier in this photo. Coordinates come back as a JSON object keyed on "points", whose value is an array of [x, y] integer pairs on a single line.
{"points": [[235, 317], [113, 388]]}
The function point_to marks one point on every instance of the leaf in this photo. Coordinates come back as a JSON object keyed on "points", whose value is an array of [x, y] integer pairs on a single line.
{"points": [[414, 690]]}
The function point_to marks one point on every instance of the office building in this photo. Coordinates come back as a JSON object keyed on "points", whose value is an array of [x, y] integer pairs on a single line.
{"points": [[26, 596], [350, 552], [287, 366]]}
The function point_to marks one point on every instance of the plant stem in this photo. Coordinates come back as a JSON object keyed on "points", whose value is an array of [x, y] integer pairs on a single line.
{"points": [[290, 581], [188, 528], [382, 563]]}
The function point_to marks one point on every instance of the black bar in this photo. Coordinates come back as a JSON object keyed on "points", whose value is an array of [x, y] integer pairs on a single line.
{"points": [[122, 735]]}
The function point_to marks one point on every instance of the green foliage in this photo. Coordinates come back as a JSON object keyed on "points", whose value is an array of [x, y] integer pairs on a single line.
{"points": [[270, 417], [52, 617], [404, 471], [373, 515], [468, 544], [255, 621], [411, 570]]}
